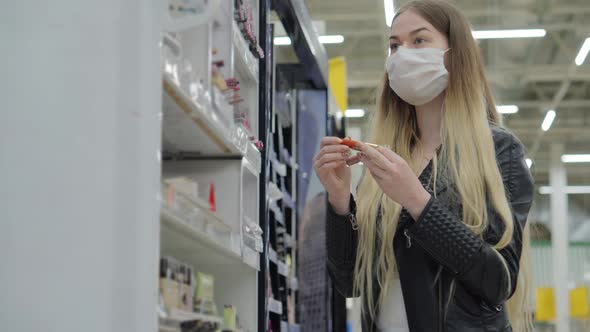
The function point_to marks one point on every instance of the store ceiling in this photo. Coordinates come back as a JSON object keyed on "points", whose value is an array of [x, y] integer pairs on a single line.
{"points": [[529, 73]]}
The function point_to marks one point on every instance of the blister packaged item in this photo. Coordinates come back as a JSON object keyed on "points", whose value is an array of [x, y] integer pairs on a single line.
{"points": [[169, 287]]}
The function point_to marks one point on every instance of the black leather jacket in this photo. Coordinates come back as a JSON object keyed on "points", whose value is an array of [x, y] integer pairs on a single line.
{"points": [[451, 279]]}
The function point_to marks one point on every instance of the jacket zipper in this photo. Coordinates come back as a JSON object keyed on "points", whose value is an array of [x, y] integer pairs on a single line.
{"points": [[440, 311], [408, 239]]}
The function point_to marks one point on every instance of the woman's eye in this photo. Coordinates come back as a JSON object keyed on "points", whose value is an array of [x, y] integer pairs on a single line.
{"points": [[419, 41], [393, 47]]}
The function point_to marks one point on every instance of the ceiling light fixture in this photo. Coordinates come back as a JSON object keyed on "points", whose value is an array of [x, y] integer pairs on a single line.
{"points": [[327, 39], [529, 162], [547, 190], [354, 113], [548, 121], [331, 39], [279, 41], [507, 109], [575, 158], [389, 11], [500, 34], [581, 57]]}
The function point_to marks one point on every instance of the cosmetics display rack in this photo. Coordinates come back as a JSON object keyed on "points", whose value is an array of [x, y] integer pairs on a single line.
{"points": [[282, 254], [211, 167], [151, 148]]}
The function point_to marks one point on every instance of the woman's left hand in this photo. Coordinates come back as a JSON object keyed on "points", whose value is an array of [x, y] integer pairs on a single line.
{"points": [[395, 177]]}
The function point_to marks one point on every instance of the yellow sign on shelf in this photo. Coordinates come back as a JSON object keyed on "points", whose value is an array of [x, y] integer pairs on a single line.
{"points": [[337, 81]]}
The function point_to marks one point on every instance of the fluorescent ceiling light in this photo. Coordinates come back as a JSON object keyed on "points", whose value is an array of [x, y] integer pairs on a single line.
{"points": [[282, 41], [498, 34], [507, 109], [389, 11], [548, 121], [529, 162], [575, 158], [547, 190], [331, 39], [581, 57], [355, 113], [327, 39]]}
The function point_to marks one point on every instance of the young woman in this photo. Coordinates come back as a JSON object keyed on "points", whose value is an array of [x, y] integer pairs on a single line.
{"points": [[436, 239]]}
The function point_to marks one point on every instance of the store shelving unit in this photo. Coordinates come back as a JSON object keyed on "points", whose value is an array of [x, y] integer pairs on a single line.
{"points": [[204, 141], [282, 255]]}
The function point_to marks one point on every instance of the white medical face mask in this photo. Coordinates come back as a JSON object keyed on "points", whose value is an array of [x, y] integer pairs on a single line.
{"points": [[417, 75]]}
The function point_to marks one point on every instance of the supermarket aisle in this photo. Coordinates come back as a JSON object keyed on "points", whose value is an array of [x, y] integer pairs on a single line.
{"points": [[156, 156]]}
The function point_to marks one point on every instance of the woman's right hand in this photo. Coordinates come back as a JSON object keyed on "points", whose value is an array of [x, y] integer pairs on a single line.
{"points": [[331, 167]]}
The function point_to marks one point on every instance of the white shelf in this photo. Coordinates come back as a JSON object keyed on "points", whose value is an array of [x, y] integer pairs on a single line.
{"points": [[275, 306], [251, 258], [192, 127], [180, 225], [279, 167], [274, 192], [245, 62], [177, 228], [164, 328], [183, 316], [283, 269], [253, 157], [274, 208], [272, 255], [172, 322]]}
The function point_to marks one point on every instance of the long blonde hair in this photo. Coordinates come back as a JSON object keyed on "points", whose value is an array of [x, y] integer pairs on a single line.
{"points": [[467, 153]]}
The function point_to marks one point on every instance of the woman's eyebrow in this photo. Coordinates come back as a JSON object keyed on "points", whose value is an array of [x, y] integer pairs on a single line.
{"points": [[413, 32]]}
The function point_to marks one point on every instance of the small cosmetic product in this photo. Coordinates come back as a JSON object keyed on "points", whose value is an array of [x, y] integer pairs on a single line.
{"points": [[181, 287], [186, 291], [169, 288], [229, 318], [203, 298], [355, 145]]}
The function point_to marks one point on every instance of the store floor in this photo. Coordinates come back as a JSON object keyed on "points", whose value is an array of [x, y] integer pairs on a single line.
{"points": [[575, 326]]}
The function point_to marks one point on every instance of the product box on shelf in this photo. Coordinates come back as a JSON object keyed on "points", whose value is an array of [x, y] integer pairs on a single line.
{"points": [[203, 295], [176, 284]]}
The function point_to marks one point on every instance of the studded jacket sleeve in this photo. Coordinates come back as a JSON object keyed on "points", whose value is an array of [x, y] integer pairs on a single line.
{"points": [[341, 241], [484, 271]]}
